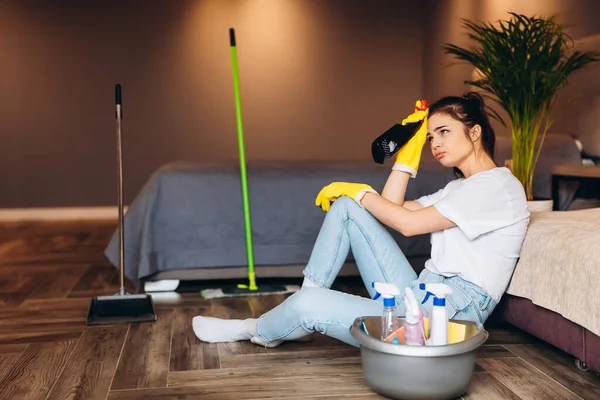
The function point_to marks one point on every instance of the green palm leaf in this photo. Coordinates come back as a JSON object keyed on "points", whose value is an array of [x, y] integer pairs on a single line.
{"points": [[523, 62]]}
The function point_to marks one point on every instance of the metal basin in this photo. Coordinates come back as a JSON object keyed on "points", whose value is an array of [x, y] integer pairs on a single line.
{"points": [[417, 372]]}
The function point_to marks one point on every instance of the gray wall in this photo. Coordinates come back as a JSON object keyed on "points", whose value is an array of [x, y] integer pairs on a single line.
{"points": [[319, 80]]}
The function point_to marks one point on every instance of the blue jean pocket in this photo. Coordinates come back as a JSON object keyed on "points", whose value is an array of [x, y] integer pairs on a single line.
{"points": [[468, 302]]}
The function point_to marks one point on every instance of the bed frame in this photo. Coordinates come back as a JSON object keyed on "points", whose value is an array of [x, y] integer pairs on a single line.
{"points": [[552, 328]]}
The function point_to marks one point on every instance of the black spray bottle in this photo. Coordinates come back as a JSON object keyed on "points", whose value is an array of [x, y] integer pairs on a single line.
{"points": [[392, 140]]}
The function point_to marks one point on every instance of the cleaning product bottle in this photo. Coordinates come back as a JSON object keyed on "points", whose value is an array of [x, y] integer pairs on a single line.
{"points": [[389, 318], [414, 334], [438, 322], [387, 144], [392, 140]]}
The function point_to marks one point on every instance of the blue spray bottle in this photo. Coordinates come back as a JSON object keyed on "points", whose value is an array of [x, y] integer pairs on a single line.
{"points": [[438, 322], [389, 317]]}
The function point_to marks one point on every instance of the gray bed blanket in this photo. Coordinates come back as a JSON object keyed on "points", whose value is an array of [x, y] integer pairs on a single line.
{"points": [[189, 215]]}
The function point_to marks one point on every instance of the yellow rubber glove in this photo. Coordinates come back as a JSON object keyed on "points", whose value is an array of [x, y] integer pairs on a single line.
{"points": [[335, 190], [409, 156]]}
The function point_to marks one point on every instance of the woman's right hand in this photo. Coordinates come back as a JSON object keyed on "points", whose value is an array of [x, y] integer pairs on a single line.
{"points": [[408, 157]]}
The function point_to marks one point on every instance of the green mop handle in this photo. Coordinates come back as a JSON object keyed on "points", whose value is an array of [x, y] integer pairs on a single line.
{"points": [[240, 131]]}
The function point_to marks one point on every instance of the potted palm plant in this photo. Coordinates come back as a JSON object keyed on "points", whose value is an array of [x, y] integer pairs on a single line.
{"points": [[521, 64]]}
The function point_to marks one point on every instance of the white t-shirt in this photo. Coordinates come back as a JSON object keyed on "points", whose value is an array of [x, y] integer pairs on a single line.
{"points": [[490, 211]]}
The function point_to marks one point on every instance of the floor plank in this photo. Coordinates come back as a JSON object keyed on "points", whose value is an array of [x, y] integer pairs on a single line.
{"points": [[36, 242], [98, 279], [12, 349], [317, 341], [511, 336], [63, 283], [349, 355], [524, 380], [36, 371], [80, 304], [145, 359], [240, 375], [559, 367], [52, 270], [281, 391], [485, 387], [8, 355], [40, 337], [187, 352], [92, 366], [270, 381], [478, 368], [18, 316], [36, 326], [495, 351], [26, 289], [65, 258], [11, 283]]}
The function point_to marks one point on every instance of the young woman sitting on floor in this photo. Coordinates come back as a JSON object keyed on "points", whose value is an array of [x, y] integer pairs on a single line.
{"points": [[477, 224]]}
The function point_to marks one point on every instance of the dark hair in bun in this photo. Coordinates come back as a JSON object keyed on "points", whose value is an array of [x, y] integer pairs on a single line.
{"points": [[470, 110]]}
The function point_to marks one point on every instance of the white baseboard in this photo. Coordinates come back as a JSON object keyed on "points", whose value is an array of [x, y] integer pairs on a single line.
{"points": [[59, 213]]}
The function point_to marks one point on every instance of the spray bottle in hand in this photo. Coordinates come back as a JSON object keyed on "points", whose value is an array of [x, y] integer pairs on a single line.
{"points": [[438, 323], [395, 138], [389, 317]]}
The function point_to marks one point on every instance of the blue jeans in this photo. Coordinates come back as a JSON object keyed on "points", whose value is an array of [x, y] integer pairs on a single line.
{"points": [[379, 258]]}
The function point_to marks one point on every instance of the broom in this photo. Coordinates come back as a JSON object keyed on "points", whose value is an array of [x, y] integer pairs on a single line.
{"points": [[121, 307], [251, 289]]}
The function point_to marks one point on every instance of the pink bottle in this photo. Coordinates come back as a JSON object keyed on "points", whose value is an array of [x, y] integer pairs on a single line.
{"points": [[414, 332]]}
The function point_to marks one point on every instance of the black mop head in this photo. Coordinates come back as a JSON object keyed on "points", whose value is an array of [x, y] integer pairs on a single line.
{"points": [[108, 310]]}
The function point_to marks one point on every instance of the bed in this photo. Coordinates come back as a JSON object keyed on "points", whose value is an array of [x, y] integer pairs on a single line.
{"points": [[186, 222], [553, 291]]}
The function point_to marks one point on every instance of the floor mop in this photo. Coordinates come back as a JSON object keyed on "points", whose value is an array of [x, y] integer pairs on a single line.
{"points": [[121, 307], [251, 289]]}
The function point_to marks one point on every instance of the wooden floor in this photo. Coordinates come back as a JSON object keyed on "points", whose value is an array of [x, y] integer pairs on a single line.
{"points": [[49, 273]]}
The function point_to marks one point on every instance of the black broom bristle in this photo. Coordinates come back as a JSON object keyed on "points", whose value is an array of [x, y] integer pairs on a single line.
{"points": [[108, 310]]}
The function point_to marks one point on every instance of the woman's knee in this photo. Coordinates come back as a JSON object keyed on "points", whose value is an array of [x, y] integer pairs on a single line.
{"points": [[345, 206], [305, 302]]}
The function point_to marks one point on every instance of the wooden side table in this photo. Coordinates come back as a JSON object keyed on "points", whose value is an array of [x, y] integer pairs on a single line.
{"points": [[579, 173]]}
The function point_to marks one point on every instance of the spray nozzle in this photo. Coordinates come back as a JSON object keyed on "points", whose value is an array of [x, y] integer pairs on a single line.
{"points": [[438, 290], [421, 105], [386, 290]]}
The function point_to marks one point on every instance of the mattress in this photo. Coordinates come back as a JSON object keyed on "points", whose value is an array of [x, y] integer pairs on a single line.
{"points": [[559, 265], [189, 215]]}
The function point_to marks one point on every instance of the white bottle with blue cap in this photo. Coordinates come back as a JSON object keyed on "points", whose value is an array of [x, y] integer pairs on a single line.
{"points": [[389, 318], [438, 322]]}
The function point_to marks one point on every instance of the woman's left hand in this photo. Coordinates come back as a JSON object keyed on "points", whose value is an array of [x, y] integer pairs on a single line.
{"points": [[335, 190]]}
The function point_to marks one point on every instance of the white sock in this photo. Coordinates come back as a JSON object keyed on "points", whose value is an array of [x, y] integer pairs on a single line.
{"points": [[308, 283], [214, 330]]}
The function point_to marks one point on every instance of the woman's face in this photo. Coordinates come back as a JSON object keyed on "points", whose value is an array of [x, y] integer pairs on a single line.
{"points": [[449, 143]]}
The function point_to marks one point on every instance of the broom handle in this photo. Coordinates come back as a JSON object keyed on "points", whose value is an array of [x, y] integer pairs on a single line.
{"points": [[242, 154], [120, 190]]}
